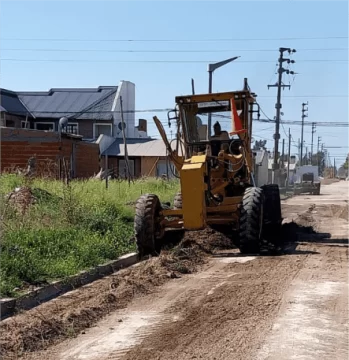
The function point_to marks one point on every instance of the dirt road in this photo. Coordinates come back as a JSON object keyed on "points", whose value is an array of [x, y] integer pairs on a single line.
{"points": [[293, 306]]}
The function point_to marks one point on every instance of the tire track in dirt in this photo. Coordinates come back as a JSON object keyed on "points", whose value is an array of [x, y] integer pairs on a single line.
{"points": [[223, 321], [225, 311], [313, 321]]}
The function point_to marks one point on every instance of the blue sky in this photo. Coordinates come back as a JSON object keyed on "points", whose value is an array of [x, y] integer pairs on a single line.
{"points": [[324, 84]]}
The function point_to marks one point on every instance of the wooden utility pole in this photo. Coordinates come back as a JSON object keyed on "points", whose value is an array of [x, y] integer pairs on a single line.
{"points": [[318, 153], [313, 129], [279, 85], [289, 158], [283, 153], [306, 156], [106, 170], [303, 117]]}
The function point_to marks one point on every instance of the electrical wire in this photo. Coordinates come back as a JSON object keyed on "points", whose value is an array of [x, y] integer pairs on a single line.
{"points": [[161, 61], [172, 40], [160, 51]]}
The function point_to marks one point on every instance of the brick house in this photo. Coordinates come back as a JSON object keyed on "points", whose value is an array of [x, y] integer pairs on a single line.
{"points": [[91, 112]]}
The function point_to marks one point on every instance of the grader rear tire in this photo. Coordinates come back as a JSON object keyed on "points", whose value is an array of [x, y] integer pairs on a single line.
{"points": [[251, 221], [146, 227], [272, 217]]}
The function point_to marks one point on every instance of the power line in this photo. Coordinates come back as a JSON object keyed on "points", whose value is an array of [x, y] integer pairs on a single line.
{"points": [[161, 61], [162, 51], [268, 120], [173, 40]]}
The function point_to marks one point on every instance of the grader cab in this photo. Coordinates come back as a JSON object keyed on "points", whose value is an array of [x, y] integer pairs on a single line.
{"points": [[216, 177]]}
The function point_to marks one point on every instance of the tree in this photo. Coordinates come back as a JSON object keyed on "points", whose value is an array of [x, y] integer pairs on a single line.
{"points": [[345, 165]]}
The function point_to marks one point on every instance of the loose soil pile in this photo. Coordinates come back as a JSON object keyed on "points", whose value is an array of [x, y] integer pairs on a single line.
{"points": [[73, 312], [21, 199]]}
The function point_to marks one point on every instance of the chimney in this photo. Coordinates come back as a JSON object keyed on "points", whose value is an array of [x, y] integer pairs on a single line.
{"points": [[142, 125]]}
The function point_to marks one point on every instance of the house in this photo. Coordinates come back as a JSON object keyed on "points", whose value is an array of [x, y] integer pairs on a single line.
{"points": [[91, 112], [261, 167], [147, 157], [292, 168], [293, 163]]}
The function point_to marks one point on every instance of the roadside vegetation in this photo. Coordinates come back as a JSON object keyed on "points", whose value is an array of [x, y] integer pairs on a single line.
{"points": [[53, 230]]}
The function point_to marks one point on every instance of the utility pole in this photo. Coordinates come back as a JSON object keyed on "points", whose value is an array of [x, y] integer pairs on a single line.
{"points": [[334, 167], [303, 117], [306, 156], [289, 158], [313, 130], [278, 105], [318, 153], [283, 152]]}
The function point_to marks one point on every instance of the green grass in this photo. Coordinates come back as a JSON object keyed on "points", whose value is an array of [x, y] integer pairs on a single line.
{"points": [[69, 229]]}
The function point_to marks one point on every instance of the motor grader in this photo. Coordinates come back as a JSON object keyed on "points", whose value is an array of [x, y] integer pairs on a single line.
{"points": [[216, 178]]}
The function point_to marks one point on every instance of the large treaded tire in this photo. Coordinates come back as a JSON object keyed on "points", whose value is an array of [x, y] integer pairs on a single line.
{"points": [[177, 201], [146, 222], [272, 217], [251, 221], [272, 204]]}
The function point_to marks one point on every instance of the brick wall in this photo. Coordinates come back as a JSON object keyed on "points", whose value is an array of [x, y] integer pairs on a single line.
{"points": [[18, 145], [87, 159]]}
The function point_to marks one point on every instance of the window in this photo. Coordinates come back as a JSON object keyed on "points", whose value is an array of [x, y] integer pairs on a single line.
{"points": [[122, 168], [23, 125], [72, 128], [46, 126], [99, 129], [10, 123]]}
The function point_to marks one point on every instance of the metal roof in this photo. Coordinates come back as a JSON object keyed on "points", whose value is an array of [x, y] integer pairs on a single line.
{"points": [[94, 103], [10, 103], [137, 147]]}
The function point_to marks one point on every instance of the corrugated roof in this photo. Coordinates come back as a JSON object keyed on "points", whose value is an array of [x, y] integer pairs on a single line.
{"points": [[137, 147], [91, 103], [10, 103]]}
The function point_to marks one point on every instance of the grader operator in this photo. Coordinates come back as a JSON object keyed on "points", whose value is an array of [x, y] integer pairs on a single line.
{"points": [[216, 178]]}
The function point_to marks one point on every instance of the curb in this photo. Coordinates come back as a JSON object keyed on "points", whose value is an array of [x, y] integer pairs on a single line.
{"points": [[9, 307]]}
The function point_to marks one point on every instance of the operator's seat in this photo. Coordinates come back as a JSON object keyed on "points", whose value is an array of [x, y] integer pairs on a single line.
{"points": [[217, 142]]}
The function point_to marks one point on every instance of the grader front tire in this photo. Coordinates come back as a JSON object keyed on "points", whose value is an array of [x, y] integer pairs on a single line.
{"points": [[146, 224], [251, 221]]}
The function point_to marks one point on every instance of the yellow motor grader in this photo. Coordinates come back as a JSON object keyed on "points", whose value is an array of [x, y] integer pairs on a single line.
{"points": [[216, 177]]}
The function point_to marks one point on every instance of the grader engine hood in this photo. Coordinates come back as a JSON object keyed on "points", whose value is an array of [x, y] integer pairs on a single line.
{"points": [[193, 188]]}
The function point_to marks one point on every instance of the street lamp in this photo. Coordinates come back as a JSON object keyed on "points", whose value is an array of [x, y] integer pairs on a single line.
{"points": [[211, 68]]}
